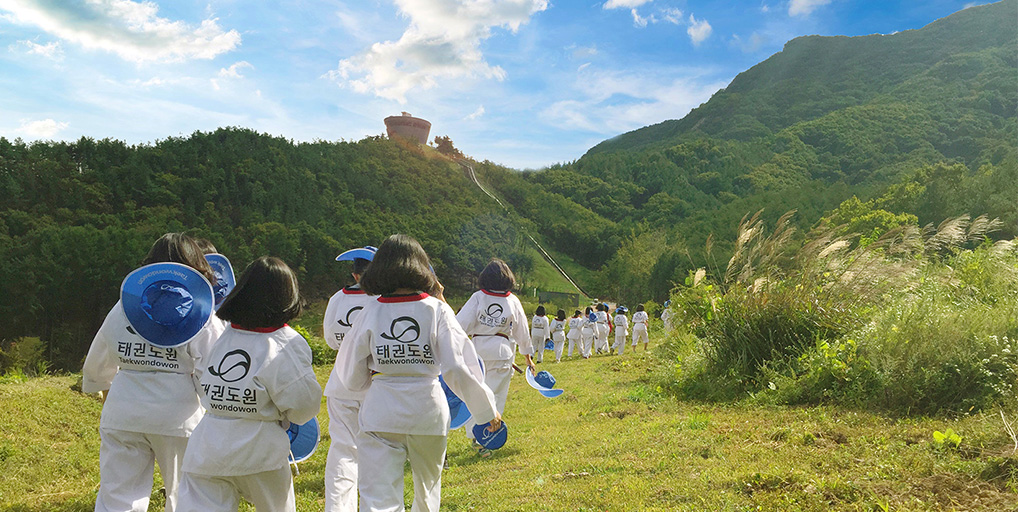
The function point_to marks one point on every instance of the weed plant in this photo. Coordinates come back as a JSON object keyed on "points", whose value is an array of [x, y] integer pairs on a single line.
{"points": [[912, 323]]}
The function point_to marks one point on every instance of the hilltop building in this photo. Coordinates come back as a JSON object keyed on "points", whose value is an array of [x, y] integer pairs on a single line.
{"points": [[408, 127]]}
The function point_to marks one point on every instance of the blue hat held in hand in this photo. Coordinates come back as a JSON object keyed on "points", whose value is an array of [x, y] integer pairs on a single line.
{"points": [[488, 439], [543, 383], [225, 280], [167, 304], [458, 412], [303, 440]]}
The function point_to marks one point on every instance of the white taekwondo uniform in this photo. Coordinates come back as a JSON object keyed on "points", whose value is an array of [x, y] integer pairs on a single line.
{"points": [[497, 324], [343, 405], [150, 410], [396, 350], [257, 382], [539, 332], [558, 336], [587, 333], [601, 331], [575, 326], [621, 331], [640, 323]]}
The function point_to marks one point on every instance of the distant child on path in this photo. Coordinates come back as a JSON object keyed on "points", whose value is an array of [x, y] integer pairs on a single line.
{"points": [[495, 320], [621, 330], [539, 332], [575, 326], [151, 404], [259, 379], [641, 324], [397, 349], [558, 333], [601, 329], [588, 332]]}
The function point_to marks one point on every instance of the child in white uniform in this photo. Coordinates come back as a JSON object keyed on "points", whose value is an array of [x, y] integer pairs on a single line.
{"points": [[150, 409], [601, 329], [621, 330], [588, 332], [558, 333], [399, 345], [539, 332], [495, 320], [641, 323], [343, 404], [575, 326], [258, 381]]}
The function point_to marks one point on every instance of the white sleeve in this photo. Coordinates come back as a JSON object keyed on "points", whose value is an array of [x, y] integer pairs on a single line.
{"points": [[521, 331], [452, 355], [468, 314], [200, 346], [101, 362], [329, 322], [295, 389], [355, 354]]}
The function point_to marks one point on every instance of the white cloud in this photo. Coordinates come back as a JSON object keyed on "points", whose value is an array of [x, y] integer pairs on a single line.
{"points": [[442, 42], [132, 30], [234, 70], [698, 30], [582, 52], [624, 4], [638, 21], [477, 113], [765, 8], [49, 50], [754, 43], [805, 7], [671, 15], [41, 129]]}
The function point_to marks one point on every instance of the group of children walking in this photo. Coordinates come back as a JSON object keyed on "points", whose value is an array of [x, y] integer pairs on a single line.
{"points": [[213, 409], [587, 332]]}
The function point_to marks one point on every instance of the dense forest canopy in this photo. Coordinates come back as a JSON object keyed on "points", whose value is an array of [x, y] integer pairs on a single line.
{"points": [[870, 132]]}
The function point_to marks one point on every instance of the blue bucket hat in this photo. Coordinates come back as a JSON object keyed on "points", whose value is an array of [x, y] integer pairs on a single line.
{"points": [[543, 383], [491, 440], [167, 304], [225, 280], [303, 440], [458, 412], [549, 345], [365, 253]]}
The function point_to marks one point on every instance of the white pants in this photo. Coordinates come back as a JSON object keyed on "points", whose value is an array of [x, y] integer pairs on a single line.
{"points": [[538, 343], [381, 481], [574, 341], [268, 491], [601, 338], [341, 463], [588, 341], [620, 342], [640, 334], [559, 340], [127, 464], [497, 379]]}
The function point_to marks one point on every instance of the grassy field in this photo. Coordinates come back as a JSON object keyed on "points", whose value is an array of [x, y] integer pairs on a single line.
{"points": [[609, 443]]}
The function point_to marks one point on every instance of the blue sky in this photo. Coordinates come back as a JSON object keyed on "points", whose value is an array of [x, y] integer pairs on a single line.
{"points": [[525, 83]]}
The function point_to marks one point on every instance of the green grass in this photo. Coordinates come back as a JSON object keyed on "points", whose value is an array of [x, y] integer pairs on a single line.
{"points": [[611, 442]]}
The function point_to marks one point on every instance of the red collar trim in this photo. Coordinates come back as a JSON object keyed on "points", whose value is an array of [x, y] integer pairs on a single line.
{"points": [[495, 294], [353, 291], [258, 329], [402, 298]]}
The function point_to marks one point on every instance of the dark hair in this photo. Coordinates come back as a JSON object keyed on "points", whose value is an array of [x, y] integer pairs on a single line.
{"points": [[639, 307], [206, 246], [360, 265], [577, 312], [561, 315], [179, 248], [588, 311], [266, 295], [399, 263], [496, 276], [540, 311]]}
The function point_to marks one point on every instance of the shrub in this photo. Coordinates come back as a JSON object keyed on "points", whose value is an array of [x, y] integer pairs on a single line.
{"points": [[321, 352], [24, 356]]}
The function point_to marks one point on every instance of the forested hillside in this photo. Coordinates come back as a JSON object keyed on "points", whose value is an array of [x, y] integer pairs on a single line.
{"points": [[77, 217], [920, 123]]}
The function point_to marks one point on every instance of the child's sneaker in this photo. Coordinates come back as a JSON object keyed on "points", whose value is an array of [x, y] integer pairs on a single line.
{"points": [[484, 453]]}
